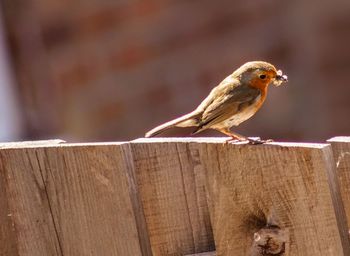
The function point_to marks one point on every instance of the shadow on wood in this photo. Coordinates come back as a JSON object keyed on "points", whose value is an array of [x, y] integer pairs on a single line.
{"points": [[341, 151]]}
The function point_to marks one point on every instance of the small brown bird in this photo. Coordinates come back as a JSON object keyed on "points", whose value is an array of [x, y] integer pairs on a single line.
{"points": [[237, 98]]}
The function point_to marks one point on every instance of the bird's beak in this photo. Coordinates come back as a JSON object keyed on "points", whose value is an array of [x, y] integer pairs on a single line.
{"points": [[280, 78]]}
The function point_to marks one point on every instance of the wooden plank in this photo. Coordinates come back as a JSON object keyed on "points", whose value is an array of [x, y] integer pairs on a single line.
{"points": [[274, 199], [341, 151], [91, 200], [100, 216], [172, 188], [29, 228]]}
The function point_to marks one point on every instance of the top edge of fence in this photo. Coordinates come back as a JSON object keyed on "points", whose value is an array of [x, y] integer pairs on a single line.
{"points": [[34, 143], [55, 143], [221, 140], [340, 139], [209, 140]]}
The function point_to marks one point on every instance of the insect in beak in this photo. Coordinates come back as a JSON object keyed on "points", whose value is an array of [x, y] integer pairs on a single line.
{"points": [[280, 78]]}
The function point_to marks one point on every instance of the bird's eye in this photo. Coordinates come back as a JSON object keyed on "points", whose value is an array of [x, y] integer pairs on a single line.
{"points": [[262, 76]]}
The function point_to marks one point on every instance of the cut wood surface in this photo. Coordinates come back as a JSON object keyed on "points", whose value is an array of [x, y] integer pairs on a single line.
{"points": [[73, 200], [341, 151], [28, 144], [171, 182]]}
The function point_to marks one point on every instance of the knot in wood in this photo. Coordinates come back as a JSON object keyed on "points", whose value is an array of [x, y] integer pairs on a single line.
{"points": [[269, 241]]}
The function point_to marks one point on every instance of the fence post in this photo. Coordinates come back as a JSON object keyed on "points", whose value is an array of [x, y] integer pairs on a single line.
{"points": [[273, 199]]}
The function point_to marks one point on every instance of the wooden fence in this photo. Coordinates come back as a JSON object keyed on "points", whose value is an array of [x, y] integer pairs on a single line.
{"points": [[174, 196]]}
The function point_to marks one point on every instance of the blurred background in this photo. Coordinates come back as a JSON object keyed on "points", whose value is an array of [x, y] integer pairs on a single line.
{"points": [[99, 70]]}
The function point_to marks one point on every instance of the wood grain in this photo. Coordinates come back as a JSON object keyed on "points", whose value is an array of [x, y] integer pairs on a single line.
{"points": [[282, 185], [172, 188], [7, 233], [203, 254], [75, 200], [29, 228], [341, 151], [173, 197]]}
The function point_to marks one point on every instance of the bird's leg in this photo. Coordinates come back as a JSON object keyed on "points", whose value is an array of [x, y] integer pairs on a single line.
{"points": [[239, 137], [233, 135]]}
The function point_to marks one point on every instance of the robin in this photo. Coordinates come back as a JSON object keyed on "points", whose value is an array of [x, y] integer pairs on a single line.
{"points": [[237, 98]]}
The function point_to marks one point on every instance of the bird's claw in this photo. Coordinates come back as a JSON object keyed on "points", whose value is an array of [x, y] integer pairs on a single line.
{"points": [[258, 141], [234, 140], [251, 141]]}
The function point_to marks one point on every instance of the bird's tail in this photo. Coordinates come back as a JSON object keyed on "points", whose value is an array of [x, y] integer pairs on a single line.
{"points": [[183, 121]]}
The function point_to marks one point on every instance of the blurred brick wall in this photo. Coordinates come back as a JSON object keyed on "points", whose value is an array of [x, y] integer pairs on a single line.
{"points": [[111, 70]]}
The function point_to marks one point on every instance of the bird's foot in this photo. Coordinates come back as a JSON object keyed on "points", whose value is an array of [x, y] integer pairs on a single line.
{"points": [[251, 141], [258, 141]]}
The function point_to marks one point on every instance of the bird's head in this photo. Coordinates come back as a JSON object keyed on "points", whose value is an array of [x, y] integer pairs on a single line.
{"points": [[260, 74]]}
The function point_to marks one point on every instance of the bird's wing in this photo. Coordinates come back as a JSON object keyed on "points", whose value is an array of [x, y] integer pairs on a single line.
{"points": [[229, 102], [229, 83]]}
